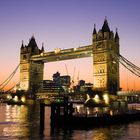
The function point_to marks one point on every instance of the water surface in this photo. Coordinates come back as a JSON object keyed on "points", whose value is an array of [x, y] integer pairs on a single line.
{"points": [[22, 122]]}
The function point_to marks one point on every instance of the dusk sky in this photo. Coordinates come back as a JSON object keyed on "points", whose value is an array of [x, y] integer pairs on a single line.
{"points": [[68, 24]]}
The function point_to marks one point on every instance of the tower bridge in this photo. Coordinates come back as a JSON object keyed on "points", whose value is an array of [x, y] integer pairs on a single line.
{"points": [[105, 71]]}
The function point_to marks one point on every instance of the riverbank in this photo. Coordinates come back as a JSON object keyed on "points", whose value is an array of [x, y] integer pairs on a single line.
{"points": [[64, 115], [95, 121]]}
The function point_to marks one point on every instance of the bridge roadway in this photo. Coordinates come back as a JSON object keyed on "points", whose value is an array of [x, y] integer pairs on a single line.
{"points": [[65, 54]]}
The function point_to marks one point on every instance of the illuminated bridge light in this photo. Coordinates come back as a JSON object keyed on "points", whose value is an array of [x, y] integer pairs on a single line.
{"points": [[96, 98], [9, 97], [15, 98], [75, 49], [57, 50], [42, 54], [23, 99], [106, 98]]}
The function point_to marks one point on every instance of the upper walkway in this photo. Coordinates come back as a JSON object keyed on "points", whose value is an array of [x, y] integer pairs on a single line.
{"points": [[65, 54]]}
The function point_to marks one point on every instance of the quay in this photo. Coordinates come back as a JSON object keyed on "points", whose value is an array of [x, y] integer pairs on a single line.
{"points": [[64, 115]]}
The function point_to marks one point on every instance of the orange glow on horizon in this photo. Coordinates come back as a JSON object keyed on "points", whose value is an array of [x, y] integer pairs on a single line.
{"points": [[128, 81]]}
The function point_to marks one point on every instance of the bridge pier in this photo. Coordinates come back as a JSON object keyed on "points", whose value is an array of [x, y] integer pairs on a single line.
{"points": [[58, 111], [55, 111], [42, 117]]}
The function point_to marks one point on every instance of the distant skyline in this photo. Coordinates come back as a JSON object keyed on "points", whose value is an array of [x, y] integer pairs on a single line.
{"points": [[68, 24]]}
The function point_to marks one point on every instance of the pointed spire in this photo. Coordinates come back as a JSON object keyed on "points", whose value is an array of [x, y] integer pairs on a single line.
{"points": [[22, 46], [42, 44], [116, 35], [33, 36], [105, 27], [42, 49], [94, 31], [32, 42]]}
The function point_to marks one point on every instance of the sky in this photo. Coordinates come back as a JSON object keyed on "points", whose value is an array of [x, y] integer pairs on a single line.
{"points": [[68, 24]]}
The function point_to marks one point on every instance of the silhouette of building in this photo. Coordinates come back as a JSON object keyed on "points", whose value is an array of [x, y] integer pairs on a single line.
{"points": [[61, 80], [50, 86]]}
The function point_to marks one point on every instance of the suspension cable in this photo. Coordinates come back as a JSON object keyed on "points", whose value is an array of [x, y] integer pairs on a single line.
{"points": [[9, 78], [12, 87], [126, 63], [133, 68], [130, 62]]}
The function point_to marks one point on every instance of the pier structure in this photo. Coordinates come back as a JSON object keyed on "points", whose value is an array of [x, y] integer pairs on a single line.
{"points": [[105, 66], [65, 114], [58, 110]]}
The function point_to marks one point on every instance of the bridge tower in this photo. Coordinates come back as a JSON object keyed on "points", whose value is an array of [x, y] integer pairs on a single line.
{"points": [[105, 66], [31, 72]]}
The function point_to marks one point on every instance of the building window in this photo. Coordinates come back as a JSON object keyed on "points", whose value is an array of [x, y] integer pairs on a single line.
{"points": [[24, 57]]}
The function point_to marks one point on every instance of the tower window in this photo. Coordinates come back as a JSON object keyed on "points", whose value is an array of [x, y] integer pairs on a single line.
{"points": [[24, 57]]}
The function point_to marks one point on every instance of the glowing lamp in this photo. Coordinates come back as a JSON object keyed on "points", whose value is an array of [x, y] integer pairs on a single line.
{"points": [[96, 98], [106, 98], [23, 99], [9, 97], [15, 98]]}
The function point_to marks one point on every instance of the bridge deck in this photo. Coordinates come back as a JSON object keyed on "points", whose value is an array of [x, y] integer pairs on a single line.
{"points": [[58, 54]]}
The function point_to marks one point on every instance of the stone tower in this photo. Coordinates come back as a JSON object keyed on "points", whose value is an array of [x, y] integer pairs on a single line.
{"points": [[105, 66], [31, 72]]}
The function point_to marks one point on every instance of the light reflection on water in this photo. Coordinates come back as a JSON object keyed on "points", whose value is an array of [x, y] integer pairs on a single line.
{"points": [[16, 116], [19, 122], [22, 122]]}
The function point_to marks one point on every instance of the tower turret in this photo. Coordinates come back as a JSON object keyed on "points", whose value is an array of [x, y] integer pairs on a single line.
{"points": [[105, 30], [94, 33], [116, 35], [105, 27], [22, 47], [42, 49], [32, 46]]}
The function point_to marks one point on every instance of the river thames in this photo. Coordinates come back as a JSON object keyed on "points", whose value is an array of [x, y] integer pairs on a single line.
{"points": [[22, 122]]}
